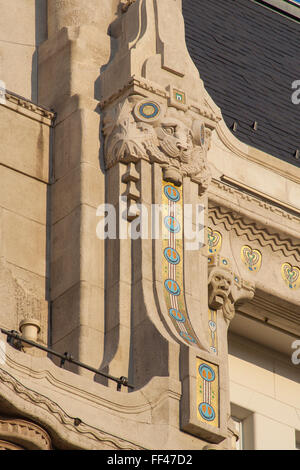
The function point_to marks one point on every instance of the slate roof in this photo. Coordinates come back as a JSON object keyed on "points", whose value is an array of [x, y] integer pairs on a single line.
{"points": [[248, 57]]}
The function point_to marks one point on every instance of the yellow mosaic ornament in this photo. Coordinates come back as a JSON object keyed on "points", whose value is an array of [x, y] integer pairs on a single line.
{"points": [[251, 258], [207, 383], [214, 241], [291, 275]]}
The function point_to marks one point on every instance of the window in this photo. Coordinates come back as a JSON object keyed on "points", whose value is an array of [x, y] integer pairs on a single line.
{"points": [[243, 424], [239, 428]]}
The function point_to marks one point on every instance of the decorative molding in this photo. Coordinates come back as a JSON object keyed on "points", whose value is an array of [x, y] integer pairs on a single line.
{"points": [[140, 85], [131, 178], [262, 196], [252, 199], [67, 421], [253, 231], [273, 310], [5, 445], [27, 108], [24, 433]]}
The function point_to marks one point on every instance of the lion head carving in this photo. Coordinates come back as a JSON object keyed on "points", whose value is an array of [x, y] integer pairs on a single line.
{"points": [[139, 128]]}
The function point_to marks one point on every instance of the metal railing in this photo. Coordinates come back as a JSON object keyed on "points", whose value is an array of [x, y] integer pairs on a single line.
{"points": [[16, 340]]}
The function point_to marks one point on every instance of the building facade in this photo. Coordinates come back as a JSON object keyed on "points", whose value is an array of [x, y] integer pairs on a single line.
{"points": [[149, 225]]}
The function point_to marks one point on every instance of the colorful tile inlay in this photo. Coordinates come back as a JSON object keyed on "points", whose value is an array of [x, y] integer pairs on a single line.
{"points": [[214, 241], [251, 258], [172, 239], [291, 275], [179, 96], [212, 325], [207, 392], [147, 111]]}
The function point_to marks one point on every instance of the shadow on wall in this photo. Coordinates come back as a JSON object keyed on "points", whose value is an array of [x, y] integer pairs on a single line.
{"points": [[40, 36]]}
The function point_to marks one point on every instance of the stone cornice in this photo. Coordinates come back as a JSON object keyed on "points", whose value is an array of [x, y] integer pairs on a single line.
{"points": [[27, 108], [139, 84], [254, 208], [270, 201], [254, 231], [273, 311]]}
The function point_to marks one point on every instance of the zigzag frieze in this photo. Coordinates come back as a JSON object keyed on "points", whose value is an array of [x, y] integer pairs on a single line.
{"points": [[254, 232]]}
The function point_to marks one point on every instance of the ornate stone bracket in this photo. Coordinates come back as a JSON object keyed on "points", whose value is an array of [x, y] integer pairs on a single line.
{"points": [[137, 128], [226, 290]]}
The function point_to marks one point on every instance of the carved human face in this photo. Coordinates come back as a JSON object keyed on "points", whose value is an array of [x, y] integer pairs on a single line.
{"points": [[219, 288], [175, 138]]}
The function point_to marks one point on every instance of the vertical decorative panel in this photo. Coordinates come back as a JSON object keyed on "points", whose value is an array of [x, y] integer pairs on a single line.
{"points": [[207, 392], [172, 268], [213, 325]]}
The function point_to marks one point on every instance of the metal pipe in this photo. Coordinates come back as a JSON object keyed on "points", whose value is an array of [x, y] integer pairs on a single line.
{"points": [[67, 357]]}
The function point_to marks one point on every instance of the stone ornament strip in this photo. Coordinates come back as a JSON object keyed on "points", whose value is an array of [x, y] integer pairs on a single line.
{"points": [[28, 109], [252, 258], [218, 189], [253, 231], [171, 94], [207, 392], [262, 196], [172, 266]]}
